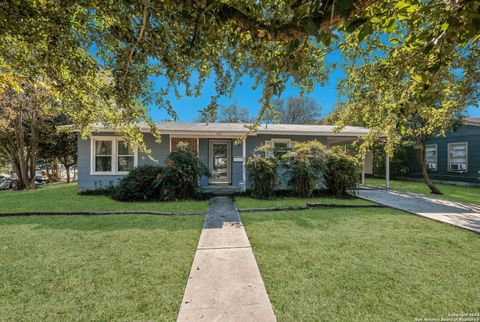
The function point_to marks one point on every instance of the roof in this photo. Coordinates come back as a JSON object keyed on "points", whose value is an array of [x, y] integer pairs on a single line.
{"points": [[472, 121], [220, 129]]}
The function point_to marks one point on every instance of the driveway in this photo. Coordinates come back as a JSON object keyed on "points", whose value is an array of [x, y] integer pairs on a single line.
{"points": [[454, 213]]}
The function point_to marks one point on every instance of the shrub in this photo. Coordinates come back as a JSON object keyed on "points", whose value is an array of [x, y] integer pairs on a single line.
{"points": [[139, 184], [342, 173], [262, 172], [105, 191], [306, 167], [180, 179]]}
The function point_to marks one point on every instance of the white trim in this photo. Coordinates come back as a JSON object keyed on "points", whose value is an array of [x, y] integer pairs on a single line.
{"points": [[114, 156], [449, 145], [244, 170], [170, 143], [436, 156], [229, 161]]}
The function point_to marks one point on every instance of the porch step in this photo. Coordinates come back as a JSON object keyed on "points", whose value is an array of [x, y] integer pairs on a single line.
{"points": [[221, 190]]}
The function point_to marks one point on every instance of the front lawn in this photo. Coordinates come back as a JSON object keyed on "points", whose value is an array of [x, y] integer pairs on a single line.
{"points": [[95, 268], [364, 265], [450, 192], [64, 197], [248, 202]]}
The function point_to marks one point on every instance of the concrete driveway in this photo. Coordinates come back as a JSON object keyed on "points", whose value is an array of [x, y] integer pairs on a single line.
{"points": [[449, 212]]}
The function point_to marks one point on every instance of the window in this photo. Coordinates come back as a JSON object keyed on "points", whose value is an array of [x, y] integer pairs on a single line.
{"points": [[457, 157], [280, 146], [103, 156], [125, 157], [431, 157], [112, 155]]}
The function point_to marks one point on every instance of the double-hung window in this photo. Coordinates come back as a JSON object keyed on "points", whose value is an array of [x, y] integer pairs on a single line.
{"points": [[125, 157], [112, 155], [458, 156], [280, 146], [431, 157], [103, 156]]}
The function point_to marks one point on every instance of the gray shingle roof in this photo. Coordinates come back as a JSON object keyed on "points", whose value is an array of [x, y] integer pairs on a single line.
{"points": [[239, 128]]}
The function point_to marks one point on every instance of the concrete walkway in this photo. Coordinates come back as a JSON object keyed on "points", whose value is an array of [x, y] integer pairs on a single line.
{"points": [[450, 212], [225, 283]]}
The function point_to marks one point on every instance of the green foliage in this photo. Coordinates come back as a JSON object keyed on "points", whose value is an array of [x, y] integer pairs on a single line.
{"points": [[306, 166], [262, 172], [103, 191], [181, 174], [342, 173], [416, 83], [139, 184]]}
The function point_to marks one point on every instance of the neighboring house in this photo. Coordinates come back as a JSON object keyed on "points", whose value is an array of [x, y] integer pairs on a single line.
{"points": [[455, 157], [104, 158]]}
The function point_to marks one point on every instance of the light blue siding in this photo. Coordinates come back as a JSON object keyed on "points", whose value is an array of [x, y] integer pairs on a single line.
{"points": [[160, 150], [86, 180]]}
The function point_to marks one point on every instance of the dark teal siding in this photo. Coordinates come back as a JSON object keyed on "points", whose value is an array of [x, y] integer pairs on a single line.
{"points": [[469, 134]]}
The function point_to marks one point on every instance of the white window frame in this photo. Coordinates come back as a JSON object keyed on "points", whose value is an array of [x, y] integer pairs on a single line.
{"points": [[449, 155], [114, 140], [271, 142], [436, 156]]}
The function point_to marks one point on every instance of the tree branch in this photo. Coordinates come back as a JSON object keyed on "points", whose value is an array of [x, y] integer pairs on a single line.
{"points": [[137, 42], [285, 31]]}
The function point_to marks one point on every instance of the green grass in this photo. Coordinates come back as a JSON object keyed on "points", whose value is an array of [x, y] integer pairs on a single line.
{"points": [[450, 192], [97, 268], [364, 265], [64, 197], [248, 202]]}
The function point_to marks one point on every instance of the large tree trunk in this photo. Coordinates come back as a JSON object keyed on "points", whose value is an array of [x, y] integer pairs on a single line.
{"points": [[423, 167], [67, 168]]}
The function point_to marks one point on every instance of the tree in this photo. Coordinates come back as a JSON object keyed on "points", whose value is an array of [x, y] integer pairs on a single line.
{"points": [[183, 42], [226, 114], [233, 114], [58, 144], [187, 43], [21, 118], [418, 83], [296, 110]]}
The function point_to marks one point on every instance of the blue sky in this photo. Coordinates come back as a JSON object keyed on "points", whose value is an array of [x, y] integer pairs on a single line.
{"points": [[187, 108]]}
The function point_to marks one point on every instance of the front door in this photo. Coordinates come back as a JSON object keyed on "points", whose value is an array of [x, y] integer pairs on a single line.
{"points": [[219, 161]]}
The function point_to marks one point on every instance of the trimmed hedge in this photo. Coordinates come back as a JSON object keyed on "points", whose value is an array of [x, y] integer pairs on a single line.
{"points": [[139, 184], [309, 167], [342, 173], [180, 179], [306, 166], [262, 172], [177, 179]]}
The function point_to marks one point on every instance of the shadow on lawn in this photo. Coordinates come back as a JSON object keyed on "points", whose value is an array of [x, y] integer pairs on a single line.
{"points": [[316, 218], [108, 222]]}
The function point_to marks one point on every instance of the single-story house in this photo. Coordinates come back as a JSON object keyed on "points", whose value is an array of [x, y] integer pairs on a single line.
{"points": [[454, 157], [103, 159]]}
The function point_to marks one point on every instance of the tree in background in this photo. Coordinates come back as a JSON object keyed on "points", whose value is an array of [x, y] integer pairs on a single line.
{"points": [[5, 166], [296, 110], [231, 113], [58, 145], [22, 115], [418, 83]]}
